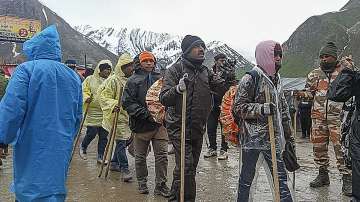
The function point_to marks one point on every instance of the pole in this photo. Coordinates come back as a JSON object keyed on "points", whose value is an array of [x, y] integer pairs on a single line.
{"points": [[273, 149], [112, 137], [80, 128], [295, 125], [183, 128]]}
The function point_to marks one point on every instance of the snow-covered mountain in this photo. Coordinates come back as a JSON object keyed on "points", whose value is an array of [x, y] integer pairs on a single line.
{"points": [[166, 47]]}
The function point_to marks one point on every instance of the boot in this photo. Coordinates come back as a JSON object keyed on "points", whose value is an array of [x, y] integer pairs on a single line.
{"points": [[347, 186], [143, 188], [322, 179], [162, 190]]}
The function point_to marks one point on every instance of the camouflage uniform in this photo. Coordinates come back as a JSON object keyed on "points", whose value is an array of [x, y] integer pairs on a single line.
{"points": [[325, 116]]}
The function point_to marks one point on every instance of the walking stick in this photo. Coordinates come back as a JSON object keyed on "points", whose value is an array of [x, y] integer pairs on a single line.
{"points": [[273, 149], [80, 128], [110, 143], [292, 93], [182, 162]]}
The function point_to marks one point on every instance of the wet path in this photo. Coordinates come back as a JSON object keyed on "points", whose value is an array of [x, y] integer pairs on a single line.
{"points": [[216, 180]]}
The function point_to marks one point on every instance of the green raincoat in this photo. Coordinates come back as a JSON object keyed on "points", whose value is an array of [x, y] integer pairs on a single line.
{"points": [[110, 94], [90, 87]]}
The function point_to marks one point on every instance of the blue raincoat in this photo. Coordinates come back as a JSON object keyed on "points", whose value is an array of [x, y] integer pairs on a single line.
{"points": [[40, 114]]}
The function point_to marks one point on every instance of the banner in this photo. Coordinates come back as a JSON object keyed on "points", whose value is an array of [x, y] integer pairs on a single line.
{"points": [[16, 29]]}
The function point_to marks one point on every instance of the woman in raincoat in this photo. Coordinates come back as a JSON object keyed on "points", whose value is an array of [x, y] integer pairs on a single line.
{"points": [[109, 96], [94, 118], [40, 115]]}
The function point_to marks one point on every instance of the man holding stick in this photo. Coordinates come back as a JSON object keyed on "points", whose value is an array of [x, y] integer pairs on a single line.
{"points": [[94, 117], [198, 85], [109, 96], [261, 107]]}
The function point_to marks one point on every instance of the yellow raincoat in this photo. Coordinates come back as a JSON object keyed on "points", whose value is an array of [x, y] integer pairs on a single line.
{"points": [[90, 87], [109, 96]]}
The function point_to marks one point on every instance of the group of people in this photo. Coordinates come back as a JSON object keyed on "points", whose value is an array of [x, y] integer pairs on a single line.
{"points": [[45, 101]]}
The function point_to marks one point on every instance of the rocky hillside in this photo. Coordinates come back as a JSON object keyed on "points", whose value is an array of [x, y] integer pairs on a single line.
{"points": [[74, 44], [165, 47], [342, 27]]}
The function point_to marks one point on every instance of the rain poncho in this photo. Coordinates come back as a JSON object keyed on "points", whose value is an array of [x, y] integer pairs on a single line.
{"points": [[109, 95], [255, 141], [40, 115], [90, 87]]}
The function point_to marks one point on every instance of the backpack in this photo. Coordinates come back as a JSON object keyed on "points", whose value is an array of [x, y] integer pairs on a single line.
{"points": [[255, 77]]}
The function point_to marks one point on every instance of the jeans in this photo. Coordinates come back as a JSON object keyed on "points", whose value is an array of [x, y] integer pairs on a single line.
{"points": [[91, 132], [120, 157], [212, 125], [248, 169]]}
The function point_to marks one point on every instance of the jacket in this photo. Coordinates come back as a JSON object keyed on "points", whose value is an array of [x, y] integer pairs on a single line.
{"points": [[90, 88], [199, 103], [248, 102], [134, 103], [109, 95]]}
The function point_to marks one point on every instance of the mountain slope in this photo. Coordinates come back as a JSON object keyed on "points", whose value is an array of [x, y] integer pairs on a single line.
{"points": [[302, 48], [166, 47], [74, 45]]}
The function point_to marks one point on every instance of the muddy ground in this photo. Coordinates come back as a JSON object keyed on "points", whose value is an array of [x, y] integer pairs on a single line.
{"points": [[216, 180]]}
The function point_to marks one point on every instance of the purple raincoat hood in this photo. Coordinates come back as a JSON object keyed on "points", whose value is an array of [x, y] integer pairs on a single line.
{"points": [[264, 55]]}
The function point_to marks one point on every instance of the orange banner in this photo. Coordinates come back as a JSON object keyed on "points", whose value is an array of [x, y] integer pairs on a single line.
{"points": [[16, 29]]}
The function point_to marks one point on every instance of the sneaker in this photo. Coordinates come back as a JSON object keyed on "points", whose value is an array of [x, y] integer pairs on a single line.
{"points": [[210, 153], [82, 153], [162, 190], [143, 189], [223, 155], [126, 175]]}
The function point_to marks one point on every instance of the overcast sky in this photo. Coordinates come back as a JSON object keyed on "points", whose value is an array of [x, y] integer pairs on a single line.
{"points": [[239, 23]]}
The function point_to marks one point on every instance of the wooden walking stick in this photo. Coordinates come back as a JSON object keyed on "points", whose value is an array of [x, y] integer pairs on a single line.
{"points": [[112, 134], [273, 149], [80, 128], [111, 144], [182, 155], [295, 116]]}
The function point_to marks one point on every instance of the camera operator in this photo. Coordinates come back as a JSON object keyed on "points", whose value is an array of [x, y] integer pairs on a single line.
{"points": [[222, 66], [342, 89]]}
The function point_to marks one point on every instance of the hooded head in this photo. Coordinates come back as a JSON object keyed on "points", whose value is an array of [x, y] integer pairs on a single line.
{"points": [[124, 60], [44, 45], [102, 65], [265, 56]]}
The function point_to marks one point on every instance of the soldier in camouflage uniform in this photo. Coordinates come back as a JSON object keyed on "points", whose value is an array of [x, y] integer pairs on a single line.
{"points": [[325, 116]]}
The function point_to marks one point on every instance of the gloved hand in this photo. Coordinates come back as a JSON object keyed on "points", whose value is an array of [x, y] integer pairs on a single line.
{"points": [[116, 109], [181, 87], [268, 109], [88, 100]]}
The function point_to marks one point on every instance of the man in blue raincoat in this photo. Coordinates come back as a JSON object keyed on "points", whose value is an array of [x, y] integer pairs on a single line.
{"points": [[40, 114]]}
